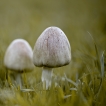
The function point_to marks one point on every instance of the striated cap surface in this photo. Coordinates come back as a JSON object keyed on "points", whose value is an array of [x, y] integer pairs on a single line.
{"points": [[52, 48]]}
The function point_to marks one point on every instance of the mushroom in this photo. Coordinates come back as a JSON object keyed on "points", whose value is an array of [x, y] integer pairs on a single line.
{"points": [[18, 58], [52, 49]]}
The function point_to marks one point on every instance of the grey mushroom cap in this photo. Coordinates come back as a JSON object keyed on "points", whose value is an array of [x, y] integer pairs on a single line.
{"points": [[52, 49], [18, 56]]}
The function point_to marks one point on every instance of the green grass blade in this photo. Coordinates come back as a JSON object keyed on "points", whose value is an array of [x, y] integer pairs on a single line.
{"points": [[97, 53]]}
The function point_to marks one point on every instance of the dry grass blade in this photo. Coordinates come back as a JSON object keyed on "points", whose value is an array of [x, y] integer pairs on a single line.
{"points": [[73, 89], [102, 73], [102, 65], [67, 96], [69, 80], [27, 90]]}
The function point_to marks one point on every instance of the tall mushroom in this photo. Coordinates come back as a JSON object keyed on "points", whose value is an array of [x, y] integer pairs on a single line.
{"points": [[52, 49], [18, 58]]}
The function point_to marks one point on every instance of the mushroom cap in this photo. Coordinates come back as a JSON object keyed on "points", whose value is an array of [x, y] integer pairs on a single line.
{"points": [[18, 56], [52, 49]]}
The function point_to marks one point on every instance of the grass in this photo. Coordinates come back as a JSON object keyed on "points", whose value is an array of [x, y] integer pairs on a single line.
{"points": [[89, 89], [83, 81]]}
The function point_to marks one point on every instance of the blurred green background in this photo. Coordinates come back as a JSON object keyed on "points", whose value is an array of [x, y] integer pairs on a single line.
{"points": [[28, 18]]}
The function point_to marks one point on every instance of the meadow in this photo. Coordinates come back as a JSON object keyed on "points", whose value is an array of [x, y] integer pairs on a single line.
{"points": [[83, 81]]}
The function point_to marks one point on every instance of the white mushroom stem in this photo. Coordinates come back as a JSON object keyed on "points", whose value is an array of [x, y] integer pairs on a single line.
{"points": [[46, 77], [18, 79]]}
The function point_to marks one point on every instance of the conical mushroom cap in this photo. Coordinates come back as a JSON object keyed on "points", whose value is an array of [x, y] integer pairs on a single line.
{"points": [[18, 56], [52, 49]]}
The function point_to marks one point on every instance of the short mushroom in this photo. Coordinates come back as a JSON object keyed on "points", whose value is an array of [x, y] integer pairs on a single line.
{"points": [[18, 58], [52, 49]]}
